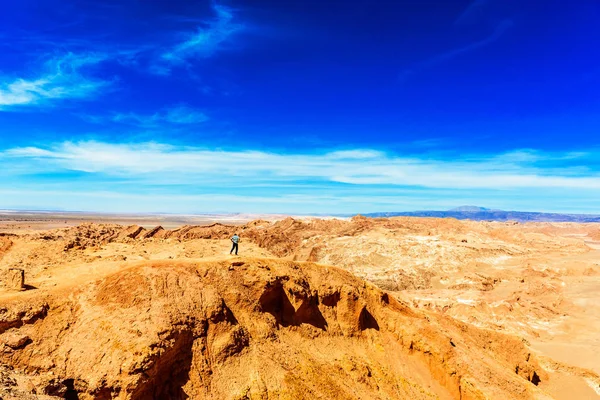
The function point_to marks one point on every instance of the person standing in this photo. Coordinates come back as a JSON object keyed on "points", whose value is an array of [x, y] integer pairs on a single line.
{"points": [[235, 239]]}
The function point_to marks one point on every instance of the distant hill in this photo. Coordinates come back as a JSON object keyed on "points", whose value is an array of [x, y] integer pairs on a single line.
{"points": [[484, 214], [469, 209]]}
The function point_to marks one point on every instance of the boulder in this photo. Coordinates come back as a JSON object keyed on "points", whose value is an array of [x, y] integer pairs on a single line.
{"points": [[15, 279]]}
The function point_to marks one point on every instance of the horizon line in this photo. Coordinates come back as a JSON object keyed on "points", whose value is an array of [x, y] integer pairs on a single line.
{"points": [[292, 214]]}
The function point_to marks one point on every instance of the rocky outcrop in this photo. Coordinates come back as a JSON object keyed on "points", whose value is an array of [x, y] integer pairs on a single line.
{"points": [[255, 328], [22, 313], [150, 233], [5, 245]]}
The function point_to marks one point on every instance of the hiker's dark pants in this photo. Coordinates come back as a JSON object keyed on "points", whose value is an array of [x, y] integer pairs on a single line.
{"points": [[234, 247]]}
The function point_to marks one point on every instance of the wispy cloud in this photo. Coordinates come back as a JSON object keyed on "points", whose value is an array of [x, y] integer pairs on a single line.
{"points": [[478, 12], [178, 115], [499, 30], [184, 115], [62, 198], [497, 33], [164, 164], [208, 39], [62, 77], [473, 11]]}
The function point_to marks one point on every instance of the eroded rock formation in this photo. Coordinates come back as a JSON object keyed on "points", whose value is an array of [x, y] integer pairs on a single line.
{"points": [[259, 329]]}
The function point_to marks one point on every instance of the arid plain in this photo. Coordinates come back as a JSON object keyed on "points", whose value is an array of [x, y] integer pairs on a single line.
{"points": [[390, 308]]}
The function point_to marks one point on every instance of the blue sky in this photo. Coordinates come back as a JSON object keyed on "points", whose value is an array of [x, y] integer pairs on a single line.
{"points": [[299, 106]]}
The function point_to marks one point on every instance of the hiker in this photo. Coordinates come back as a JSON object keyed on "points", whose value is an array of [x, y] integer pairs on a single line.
{"points": [[235, 240]]}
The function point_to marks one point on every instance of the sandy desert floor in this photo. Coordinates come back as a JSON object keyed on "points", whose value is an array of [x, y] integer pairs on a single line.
{"points": [[361, 308]]}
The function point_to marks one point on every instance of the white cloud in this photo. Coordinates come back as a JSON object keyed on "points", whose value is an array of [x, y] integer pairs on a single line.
{"points": [[164, 164], [61, 79], [205, 42]]}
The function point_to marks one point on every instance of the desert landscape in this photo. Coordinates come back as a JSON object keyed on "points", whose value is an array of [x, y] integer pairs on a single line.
{"points": [[413, 187], [358, 308]]}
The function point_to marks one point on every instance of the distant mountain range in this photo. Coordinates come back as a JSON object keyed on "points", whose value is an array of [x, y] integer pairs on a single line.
{"points": [[486, 214]]}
